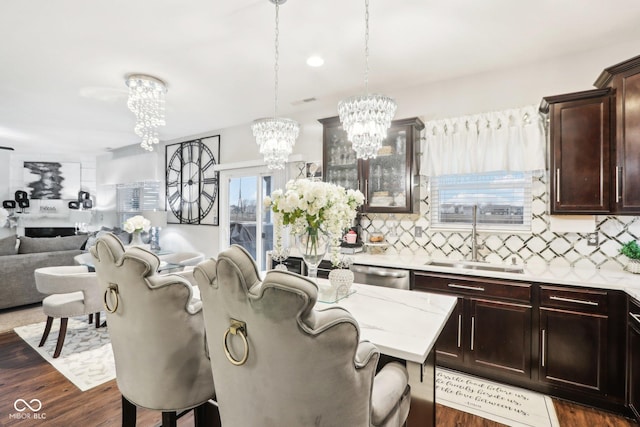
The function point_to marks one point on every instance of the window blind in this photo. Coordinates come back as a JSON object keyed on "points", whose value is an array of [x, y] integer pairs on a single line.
{"points": [[503, 200]]}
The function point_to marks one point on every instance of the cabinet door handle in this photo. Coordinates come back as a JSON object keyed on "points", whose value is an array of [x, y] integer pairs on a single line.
{"points": [[470, 288], [618, 170], [460, 330], [366, 189], [543, 341], [558, 185], [635, 317], [473, 330], [576, 301]]}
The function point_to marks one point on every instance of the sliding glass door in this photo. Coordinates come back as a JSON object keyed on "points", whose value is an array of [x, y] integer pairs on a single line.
{"points": [[247, 223]]}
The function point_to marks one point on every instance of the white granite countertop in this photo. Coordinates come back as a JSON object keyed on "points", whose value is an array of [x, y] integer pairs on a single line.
{"points": [[401, 323], [603, 278]]}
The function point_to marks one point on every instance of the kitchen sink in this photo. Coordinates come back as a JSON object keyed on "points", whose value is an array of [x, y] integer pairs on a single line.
{"points": [[468, 265]]}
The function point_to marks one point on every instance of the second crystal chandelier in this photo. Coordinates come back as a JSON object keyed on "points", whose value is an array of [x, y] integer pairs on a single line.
{"points": [[146, 101], [366, 118], [276, 136]]}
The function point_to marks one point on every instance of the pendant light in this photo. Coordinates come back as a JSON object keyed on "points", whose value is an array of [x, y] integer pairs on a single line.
{"points": [[366, 118], [146, 101], [275, 135]]}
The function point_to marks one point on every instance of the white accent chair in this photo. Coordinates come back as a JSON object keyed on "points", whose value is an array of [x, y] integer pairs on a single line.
{"points": [[72, 291], [277, 361], [157, 335]]}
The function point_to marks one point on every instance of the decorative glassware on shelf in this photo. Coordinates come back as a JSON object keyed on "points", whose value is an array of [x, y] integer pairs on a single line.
{"points": [[342, 165], [313, 246]]}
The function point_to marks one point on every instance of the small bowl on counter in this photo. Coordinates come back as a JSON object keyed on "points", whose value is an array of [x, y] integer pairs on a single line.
{"points": [[376, 248]]}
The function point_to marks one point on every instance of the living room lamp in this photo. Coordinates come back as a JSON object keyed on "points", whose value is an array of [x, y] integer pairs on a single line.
{"points": [[275, 136], [366, 118], [146, 101]]}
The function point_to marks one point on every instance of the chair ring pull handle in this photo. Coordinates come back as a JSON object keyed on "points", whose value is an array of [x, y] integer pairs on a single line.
{"points": [[237, 328], [111, 293]]}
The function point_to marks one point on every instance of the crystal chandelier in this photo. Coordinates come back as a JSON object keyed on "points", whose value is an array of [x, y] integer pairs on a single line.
{"points": [[367, 117], [276, 136], [146, 101]]}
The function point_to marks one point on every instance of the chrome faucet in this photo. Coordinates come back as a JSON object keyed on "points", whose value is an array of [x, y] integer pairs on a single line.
{"points": [[474, 234]]}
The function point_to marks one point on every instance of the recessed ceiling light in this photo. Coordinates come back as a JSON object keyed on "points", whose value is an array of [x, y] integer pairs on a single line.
{"points": [[315, 61]]}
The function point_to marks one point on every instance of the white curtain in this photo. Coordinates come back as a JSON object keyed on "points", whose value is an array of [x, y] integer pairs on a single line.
{"points": [[510, 140]]}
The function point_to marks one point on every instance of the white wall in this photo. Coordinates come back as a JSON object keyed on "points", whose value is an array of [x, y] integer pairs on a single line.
{"points": [[491, 91]]}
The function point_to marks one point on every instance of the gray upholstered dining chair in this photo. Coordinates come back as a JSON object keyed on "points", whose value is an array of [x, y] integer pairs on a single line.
{"points": [[157, 334], [277, 361], [72, 291]]}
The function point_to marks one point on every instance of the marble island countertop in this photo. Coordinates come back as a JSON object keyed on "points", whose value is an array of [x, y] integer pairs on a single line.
{"points": [[401, 323]]}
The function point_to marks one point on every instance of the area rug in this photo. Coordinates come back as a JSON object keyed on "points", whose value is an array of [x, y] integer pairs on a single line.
{"points": [[86, 358], [497, 402]]}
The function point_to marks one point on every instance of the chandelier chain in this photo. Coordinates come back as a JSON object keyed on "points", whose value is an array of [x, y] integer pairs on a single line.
{"points": [[277, 56], [366, 46]]}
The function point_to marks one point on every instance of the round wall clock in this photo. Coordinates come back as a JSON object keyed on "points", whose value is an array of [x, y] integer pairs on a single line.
{"points": [[192, 183]]}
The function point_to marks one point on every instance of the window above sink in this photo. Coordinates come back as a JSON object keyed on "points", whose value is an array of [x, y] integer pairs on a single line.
{"points": [[503, 200]]}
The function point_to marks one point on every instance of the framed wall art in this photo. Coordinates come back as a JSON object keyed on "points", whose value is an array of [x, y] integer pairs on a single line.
{"points": [[52, 180], [192, 185]]}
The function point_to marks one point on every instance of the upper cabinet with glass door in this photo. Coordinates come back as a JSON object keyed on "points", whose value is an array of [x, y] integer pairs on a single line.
{"points": [[389, 181]]}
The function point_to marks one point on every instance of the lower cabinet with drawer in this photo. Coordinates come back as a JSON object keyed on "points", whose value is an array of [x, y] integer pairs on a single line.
{"points": [[490, 328], [573, 337], [564, 341], [582, 344]]}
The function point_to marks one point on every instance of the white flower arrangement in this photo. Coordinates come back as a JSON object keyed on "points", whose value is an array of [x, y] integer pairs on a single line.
{"points": [[314, 205], [137, 223]]}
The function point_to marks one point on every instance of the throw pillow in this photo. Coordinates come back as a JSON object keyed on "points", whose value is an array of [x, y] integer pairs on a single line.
{"points": [[91, 240], [29, 245], [8, 245]]}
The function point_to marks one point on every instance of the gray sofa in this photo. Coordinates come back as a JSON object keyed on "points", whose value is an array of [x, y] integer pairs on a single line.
{"points": [[19, 261]]}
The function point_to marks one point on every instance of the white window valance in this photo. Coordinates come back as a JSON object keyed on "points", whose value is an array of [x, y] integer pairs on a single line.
{"points": [[510, 140]]}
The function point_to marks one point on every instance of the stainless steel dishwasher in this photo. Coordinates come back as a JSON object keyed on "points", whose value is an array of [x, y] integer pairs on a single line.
{"points": [[382, 276]]}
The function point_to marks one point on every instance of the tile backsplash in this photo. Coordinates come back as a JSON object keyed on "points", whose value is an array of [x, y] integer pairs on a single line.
{"points": [[540, 246]]}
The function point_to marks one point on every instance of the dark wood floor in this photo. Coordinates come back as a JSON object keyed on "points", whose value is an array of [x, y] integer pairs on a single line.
{"points": [[25, 375]]}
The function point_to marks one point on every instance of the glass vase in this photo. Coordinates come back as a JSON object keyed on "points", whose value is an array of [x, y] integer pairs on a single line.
{"points": [[312, 246]]}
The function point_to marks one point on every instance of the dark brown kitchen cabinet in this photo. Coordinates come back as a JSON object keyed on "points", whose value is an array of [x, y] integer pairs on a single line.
{"points": [[633, 358], [563, 341], [580, 165], [595, 145], [500, 336], [449, 344], [581, 344], [389, 181], [624, 80], [490, 328]]}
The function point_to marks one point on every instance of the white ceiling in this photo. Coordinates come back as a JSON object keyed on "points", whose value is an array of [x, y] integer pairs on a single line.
{"points": [[64, 61]]}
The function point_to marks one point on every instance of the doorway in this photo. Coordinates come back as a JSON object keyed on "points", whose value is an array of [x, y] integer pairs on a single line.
{"points": [[245, 220]]}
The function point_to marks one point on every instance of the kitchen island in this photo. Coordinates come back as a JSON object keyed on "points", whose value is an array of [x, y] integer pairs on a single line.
{"points": [[557, 330], [404, 325]]}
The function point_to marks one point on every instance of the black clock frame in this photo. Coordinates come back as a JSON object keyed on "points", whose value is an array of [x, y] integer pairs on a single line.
{"points": [[200, 206]]}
